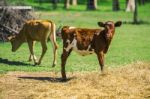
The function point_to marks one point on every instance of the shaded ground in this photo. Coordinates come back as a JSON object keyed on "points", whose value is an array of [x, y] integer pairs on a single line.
{"points": [[129, 82]]}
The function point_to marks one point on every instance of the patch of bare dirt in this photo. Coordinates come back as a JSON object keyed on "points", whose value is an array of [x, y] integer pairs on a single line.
{"points": [[128, 82]]}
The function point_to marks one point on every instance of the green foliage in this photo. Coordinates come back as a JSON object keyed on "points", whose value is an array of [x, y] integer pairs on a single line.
{"points": [[47, 4]]}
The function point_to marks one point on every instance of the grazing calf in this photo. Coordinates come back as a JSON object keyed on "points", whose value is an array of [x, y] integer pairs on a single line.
{"points": [[87, 41], [36, 30]]}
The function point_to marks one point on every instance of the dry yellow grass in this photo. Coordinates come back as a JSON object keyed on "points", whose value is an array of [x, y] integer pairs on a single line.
{"points": [[128, 82]]}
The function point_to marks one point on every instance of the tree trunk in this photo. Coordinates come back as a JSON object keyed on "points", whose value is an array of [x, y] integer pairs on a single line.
{"points": [[40, 2], [3, 3], [74, 2], [92, 4], [147, 0], [135, 16], [54, 4], [67, 4], [127, 3], [130, 6], [141, 2], [115, 5]]}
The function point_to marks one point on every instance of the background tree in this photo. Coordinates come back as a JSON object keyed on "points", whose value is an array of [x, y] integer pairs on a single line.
{"points": [[115, 5], [40, 2], [135, 15], [73, 2], [147, 0], [130, 6], [141, 2], [126, 3], [3, 2], [91, 4], [54, 2], [66, 4]]}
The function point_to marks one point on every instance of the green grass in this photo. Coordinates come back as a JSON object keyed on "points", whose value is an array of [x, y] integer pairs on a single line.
{"points": [[131, 43]]}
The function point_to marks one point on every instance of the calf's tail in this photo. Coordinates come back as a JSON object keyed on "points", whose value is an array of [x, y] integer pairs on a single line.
{"points": [[53, 33]]}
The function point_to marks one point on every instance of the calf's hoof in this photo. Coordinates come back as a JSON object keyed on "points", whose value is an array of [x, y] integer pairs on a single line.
{"points": [[37, 63], [104, 73]]}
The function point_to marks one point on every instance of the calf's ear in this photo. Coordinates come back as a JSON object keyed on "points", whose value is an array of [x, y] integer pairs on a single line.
{"points": [[101, 24], [118, 24], [10, 38]]}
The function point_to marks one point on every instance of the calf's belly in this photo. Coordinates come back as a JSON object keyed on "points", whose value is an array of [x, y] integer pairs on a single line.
{"points": [[73, 45], [83, 52]]}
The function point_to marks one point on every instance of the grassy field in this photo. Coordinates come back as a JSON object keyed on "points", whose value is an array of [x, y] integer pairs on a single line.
{"points": [[131, 43]]}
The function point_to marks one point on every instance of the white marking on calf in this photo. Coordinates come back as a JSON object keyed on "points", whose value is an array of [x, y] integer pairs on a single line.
{"points": [[71, 27], [73, 45], [70, 45], [84, 52], [97, 33], [68, 41]]}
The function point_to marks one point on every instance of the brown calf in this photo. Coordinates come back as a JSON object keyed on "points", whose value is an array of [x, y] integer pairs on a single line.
{"points": [[36, 30], [87, 41]]}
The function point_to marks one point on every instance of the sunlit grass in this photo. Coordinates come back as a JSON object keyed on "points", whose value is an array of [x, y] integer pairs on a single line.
{"points": [[130, 44]]}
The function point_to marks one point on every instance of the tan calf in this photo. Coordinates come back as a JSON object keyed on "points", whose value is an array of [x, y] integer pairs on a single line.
{"points": [[36, 30]]}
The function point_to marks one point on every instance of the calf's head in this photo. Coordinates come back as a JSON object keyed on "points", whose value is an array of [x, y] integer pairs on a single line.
{"points": [[15, 42], [109, 28], [108, 32]]}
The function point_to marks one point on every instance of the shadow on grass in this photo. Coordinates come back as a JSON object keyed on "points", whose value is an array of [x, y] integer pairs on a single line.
{"points": [[50, 79], [16, 63]]}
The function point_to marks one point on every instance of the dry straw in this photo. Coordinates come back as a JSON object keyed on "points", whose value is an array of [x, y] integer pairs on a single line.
{"points": [[129, 82]]}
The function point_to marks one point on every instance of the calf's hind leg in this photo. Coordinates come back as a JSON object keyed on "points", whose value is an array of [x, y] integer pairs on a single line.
{"points": [[55, 46]]}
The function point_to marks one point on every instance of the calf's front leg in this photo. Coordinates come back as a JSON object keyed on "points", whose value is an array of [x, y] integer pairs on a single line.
{"points": [[44, 49], [31, 58], [30, 44], [100, 57], [64, 57]]}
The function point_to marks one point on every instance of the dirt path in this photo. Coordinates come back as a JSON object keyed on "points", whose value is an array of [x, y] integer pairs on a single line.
{"points": [[129, 82]]}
